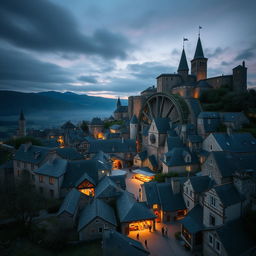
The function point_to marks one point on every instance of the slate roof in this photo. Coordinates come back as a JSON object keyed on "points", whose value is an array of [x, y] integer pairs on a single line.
{"points": [[96, 209], [183, 65], [115, 127], [107, 188], [174, 142], [199, 50], [233, 116], [69, 153], [228, 194], [119, 180], [134, 120], [116, 244], [129, 210], [162, 124], [121, 109], [143, 155], [70, 203], [176, 157], [96, 121], [31, 153], [228, 162], [195, 138], [169, 201], [104, 159], [7, 165], [236, 142], [149, 89], [201, 183], [150, 189], [153, 161], [76, 171], [193, 221], [209, 115], [145, 130], [68, 125], [235, 239], [112, 146], [54, 168]]}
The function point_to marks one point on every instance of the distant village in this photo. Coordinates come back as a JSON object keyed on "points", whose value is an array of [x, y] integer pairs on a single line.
{"points": [[161, 163]]}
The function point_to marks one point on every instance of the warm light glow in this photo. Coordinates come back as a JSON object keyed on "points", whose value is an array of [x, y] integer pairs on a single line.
{"points": [[60, 140], [196, 94], [155, 206], [117, 164], [188, 168], [87, 191], [100, 136], [140, 225], [143, 178]]}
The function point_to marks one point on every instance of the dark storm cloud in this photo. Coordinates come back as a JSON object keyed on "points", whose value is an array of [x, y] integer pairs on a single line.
{"points": [[18, 66], [211, 53], [88, 79], [149, 69], [246, 54], [43, 26]]}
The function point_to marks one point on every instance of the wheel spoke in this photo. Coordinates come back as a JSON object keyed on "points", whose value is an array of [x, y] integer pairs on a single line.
{"points": [[170, 110]]}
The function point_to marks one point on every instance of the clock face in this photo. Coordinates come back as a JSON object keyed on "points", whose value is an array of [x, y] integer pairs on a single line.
{"points": [[152, 138]]}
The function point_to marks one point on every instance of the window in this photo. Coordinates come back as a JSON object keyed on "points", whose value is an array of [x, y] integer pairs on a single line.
{"points": [[100, 230], [41, 178], [210, 239], [187, 203], [51, 192], [212, 201], [217, 245], [210, 147], [41, 190], [212, 220], [51, 180], [190, 193]]}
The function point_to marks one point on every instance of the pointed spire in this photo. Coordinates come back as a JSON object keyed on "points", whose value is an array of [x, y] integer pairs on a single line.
{"points": [[22, 115], [118, 104], [183, 66], [199, 49]]}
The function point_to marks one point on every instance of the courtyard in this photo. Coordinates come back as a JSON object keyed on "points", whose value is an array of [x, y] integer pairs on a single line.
{"points": [[157, 244]]}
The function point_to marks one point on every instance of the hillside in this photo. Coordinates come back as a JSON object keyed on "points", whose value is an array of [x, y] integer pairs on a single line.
{"points": [[11, 102]]}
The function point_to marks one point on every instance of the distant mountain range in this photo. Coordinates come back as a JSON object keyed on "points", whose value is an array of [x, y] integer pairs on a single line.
{"points": [[11, 102]]}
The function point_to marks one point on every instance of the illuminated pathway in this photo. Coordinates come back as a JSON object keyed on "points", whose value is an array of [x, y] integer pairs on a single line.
{"points": [[157, 244]]}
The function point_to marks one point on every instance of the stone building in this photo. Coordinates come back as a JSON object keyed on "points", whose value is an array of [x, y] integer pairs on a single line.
{"points": [[22, 125]]}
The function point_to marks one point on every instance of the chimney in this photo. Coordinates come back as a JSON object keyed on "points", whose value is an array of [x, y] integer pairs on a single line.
{"points": [[243, 64]]}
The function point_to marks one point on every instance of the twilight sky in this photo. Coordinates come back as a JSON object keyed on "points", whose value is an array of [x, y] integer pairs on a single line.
{"points": [[117, 47]]}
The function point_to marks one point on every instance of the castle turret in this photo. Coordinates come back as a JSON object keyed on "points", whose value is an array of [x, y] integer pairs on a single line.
{"points": [[133, 127], [240, 78], [183, 66], [199, 62], [22, 125]]}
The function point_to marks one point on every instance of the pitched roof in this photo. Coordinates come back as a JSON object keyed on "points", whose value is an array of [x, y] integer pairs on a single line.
{"points": [[209, 115], [143, 155], [173, 142], [97, 208], [129, 210], [68, 125], [69, 153], [70, 203], [236, 142], [96, 121], [193, 221], [54, 168], [199, 50], [112, 146], [121, 109], [115, 127], [228, 194], [116, 244], [201, 183], [162, 124], [195, 138], [183, 65], [228, 162], [119, 180], [153, 161], [134, 120], [150, 189], [107, 188], [236, 239], [31, 153]]}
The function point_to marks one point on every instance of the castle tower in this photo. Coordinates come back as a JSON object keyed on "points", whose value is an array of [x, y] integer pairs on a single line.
{"points": [[199, 63], [240, 78], [183, 66], [133, 127], [22, 125], [118, 103]]}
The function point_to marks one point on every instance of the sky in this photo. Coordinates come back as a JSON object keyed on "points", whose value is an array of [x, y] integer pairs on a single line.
{"points": [[116, 48]]}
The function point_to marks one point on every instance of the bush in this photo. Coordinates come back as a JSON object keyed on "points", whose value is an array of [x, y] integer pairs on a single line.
{"points": [[177, 235], [160, 177]]}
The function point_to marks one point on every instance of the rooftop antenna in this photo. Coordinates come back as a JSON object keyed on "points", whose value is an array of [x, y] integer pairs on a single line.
{"points": [[199, 28]]}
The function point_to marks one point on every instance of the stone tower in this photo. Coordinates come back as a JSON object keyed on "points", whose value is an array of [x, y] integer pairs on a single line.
{"points": [[133, 127], [199, 62], [183, 66], [240, 78], [22, 125]]}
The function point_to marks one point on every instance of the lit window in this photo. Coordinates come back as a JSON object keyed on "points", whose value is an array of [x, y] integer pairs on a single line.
{"points": [[155, 206], [41, 178], [51, 180]]}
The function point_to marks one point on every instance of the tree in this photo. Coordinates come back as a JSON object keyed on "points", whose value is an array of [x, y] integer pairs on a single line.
{"points": [[24, 202], [18, 141], [84, 126]]}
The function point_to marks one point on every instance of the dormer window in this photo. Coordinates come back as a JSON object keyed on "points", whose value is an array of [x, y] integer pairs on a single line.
{"points": [[188, 158]]}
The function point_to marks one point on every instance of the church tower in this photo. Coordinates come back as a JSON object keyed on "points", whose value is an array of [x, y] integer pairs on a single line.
{"points": [[22, 125], [199, 63], [183, 66], [118, 103], [133, 127]]}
